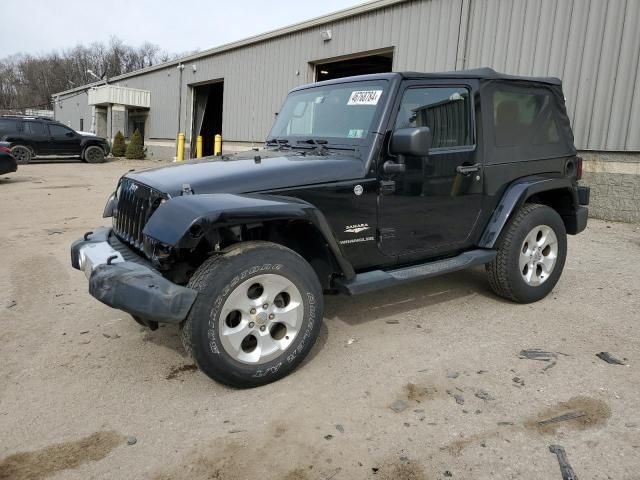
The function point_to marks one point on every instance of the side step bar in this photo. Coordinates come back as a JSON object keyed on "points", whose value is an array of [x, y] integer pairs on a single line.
{"points": [[377, 279]]}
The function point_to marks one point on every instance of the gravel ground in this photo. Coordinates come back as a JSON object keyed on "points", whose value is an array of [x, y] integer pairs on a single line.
{"points": [[417, 382]]}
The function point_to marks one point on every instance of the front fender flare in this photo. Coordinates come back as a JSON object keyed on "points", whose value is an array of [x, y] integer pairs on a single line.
{"points": [[175, 220]]}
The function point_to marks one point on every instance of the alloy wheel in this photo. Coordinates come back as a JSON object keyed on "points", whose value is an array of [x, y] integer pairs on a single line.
{"points": [[538, 255], [21, 154], [261, 318]]}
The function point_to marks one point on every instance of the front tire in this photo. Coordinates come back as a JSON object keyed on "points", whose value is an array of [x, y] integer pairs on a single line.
{"points": [[22, 154], [257, 315], [531, 254], [93, 154]]}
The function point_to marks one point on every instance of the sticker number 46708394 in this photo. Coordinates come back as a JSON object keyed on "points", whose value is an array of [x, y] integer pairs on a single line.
{"points": [[364, 97]]}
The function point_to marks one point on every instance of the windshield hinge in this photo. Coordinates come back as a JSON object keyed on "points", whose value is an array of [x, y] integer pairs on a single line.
{"points": [[387, 187]]}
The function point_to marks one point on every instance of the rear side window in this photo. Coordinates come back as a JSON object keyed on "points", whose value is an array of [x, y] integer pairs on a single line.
{"points": [[8, 125], [58, 130], [34, 128], [446, 111], [523, 118]]}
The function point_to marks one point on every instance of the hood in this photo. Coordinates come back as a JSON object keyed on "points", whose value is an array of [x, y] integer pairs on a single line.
{"points": [[243, 173], [85, 134]]}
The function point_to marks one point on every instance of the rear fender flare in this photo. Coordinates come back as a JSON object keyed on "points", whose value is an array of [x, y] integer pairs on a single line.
{"points": [[515, 195], [175, 221]]}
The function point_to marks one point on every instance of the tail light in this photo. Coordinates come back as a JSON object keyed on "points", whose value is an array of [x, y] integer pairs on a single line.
{"points": [[578, 168], [5, 150]]}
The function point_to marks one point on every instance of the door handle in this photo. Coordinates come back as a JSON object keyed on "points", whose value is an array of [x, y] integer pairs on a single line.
{"points": [[468, 169]]}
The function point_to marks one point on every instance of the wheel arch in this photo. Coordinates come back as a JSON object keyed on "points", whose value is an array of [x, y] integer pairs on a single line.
{"points": [[91, 143], [23, 143], [200, 225], [558, 193]]}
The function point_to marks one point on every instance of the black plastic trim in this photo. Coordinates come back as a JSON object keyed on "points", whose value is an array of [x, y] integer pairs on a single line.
{"points": [[577, 222], [516, 195], [173, 220], [141, 291], [584, 193], [378, 279]]}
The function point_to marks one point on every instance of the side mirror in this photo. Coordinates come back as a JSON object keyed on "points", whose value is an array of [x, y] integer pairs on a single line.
{"points": [[389, 167], [413, 142], [70, 134]]}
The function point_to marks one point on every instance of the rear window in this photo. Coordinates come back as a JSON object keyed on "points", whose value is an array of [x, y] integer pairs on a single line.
{"points": [[525, 121], [8, 125], [523, 118], [34, 128]]}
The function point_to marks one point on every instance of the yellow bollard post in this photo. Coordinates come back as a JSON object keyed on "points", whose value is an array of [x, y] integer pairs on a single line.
{"points": [[180, 155], [217, 145], [199, 146]]}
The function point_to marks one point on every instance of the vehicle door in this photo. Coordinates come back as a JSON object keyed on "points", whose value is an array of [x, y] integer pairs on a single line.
{"points": [[63, 140], [38, 135], [432, 207]]}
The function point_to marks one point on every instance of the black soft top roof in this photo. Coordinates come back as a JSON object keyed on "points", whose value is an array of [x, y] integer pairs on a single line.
{"points": [[482, 74], [477, 73]]}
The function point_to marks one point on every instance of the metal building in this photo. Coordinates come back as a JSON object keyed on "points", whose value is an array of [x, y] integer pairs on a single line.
{"points": [[236, 89]]}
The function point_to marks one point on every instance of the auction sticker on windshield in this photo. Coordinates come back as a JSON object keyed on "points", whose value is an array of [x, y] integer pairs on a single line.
{"points": [[364, 97]]}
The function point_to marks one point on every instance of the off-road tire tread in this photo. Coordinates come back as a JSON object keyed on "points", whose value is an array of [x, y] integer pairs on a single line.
{"points": [[201, 276], [497, 269]]}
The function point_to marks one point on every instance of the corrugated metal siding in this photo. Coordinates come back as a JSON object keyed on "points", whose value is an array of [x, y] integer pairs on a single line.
{"points": [[70, 110], [593, 45], [163, 85], [423, 34]]}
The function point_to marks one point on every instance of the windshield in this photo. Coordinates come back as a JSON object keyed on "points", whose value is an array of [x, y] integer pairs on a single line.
{"points": [[340, 113]]}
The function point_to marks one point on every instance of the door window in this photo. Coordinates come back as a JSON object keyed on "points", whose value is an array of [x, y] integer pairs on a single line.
{"points": [[34, 128], [446, 111], [58, 131]]}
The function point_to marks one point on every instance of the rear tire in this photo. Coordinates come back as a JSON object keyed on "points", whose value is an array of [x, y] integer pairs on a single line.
{"points": [[22, 154], [257, 315], [93, 154], [532, 250]]}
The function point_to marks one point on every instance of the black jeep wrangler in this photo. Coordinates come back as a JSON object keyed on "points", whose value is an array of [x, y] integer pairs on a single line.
{"points": [[364, 183], [30, 137]]}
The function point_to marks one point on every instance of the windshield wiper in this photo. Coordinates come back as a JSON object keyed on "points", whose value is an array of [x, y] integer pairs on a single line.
{"points": [[279, 142], [319, 145], [313, 141]]}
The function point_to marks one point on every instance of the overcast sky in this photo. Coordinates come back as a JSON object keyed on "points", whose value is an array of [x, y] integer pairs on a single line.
{"points": [[39, 26]]}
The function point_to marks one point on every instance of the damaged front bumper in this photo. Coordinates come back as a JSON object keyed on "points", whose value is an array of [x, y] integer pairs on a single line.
{"points": [[120, 278]]}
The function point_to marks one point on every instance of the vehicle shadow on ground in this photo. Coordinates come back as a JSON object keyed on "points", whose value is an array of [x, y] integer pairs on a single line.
{"points": [[8, 178], [37, 161], [168, 336], [408, 297], [369, 307]]}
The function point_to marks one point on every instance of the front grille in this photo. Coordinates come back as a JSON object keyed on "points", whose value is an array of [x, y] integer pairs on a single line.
{"points": [[135, 204]]}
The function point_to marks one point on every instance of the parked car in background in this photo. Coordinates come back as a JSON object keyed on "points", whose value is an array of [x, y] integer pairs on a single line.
{"points": [[30, 137], [8, 164]]}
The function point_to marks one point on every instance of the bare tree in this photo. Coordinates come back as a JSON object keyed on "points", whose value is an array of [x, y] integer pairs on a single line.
{"points": [[28, 81]]}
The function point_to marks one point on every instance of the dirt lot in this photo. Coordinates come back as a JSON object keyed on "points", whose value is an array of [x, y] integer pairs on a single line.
{"points": [[77, 378]]}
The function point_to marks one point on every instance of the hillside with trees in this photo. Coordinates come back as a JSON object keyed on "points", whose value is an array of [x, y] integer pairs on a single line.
{"points": [[28, 81]]}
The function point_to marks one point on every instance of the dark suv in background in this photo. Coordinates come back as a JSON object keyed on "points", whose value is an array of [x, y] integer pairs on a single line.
{"points": [[30, 137]]}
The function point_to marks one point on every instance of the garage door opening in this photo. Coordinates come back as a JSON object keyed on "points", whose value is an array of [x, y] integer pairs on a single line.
{"points": [[379, 63], [207, 116]]}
